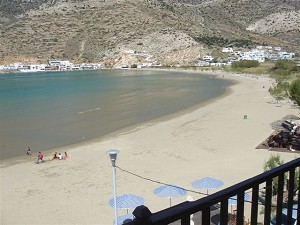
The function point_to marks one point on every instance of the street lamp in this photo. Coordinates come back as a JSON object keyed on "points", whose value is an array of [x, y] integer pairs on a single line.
{"points": [[113, 157]]}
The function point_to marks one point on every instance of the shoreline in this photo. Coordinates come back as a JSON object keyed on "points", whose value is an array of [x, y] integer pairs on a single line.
{"points": [[214, 141], [49, 152]]}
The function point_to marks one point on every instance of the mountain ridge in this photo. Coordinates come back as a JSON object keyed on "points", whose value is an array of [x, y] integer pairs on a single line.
{"points": [[101, 31]]}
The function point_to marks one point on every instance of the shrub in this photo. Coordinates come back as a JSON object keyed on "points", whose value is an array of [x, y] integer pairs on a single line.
{"points": [[220, 41], [285, 64], [273, 162], [245, 64], [294, 91]]}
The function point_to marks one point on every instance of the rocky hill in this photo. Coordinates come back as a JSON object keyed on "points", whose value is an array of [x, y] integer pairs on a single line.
{"points": [[165, 31]]}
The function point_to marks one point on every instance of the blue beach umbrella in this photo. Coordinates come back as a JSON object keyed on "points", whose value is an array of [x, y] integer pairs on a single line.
{"points": [[207, 183], [127, 201], [123, 218], [169, 191]]}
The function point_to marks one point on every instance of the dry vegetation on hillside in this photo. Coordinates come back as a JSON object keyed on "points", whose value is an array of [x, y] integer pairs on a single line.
{"points": [[277, 23], [96, 31]]}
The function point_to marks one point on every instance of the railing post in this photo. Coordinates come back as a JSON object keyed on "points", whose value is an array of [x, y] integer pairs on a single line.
{"points": [[186, 220], [298, 211], [268, 201], [206, 216], [240, 208], [279, 199], [141, 214], [291, 195], [254, 205], [224, 212]]}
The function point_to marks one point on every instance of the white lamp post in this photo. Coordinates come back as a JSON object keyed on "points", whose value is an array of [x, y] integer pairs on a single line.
{"points": [[113, 157]]}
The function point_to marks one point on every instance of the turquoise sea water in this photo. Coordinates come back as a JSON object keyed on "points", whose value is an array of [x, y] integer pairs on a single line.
{"points": [[54, 109]]}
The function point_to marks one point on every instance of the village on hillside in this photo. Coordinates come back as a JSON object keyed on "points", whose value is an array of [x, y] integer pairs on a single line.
{"points": [[53, 65], [260, 53]]}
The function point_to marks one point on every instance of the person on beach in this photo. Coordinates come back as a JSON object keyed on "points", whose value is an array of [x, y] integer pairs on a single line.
{"points": [[40, 158], [54, 156], [59, 156], [65, 156], [28, 151]]}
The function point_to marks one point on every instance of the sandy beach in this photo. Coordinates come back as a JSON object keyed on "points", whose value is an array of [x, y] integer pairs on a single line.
{"points": [[213, 140]]}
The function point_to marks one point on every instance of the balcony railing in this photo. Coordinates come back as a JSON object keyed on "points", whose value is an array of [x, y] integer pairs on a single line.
{"points": [[273, 184]]}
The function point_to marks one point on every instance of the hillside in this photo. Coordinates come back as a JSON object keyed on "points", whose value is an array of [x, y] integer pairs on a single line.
{"points": [[167, 31]]}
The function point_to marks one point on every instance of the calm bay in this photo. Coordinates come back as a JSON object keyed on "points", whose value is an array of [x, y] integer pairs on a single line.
{"points": [[54, 109]]}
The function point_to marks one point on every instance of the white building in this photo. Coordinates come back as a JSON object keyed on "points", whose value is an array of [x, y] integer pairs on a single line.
{"points": [[90, 66], [202, 63], [207, 58], [268, 47], [144, 65], [271, 55], [254, 54], [57, 63], [277, 48], [218, 64], [285, 55], [32, 68], [227, 50]]}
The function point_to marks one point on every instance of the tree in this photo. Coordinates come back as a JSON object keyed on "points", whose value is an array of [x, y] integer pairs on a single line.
{"points": [[281, 75], [294, 91], [273, 162], [280, 91], [282, 70]]}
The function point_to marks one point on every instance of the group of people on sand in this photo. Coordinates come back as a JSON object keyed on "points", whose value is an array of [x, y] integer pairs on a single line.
{"points": [[40, 157], [59, 156]]}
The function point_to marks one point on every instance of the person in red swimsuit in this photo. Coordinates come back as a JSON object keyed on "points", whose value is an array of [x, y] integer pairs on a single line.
{"points": [[40, 158]]}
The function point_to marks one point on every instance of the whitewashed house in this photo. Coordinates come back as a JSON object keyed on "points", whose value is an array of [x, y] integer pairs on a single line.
{"points": [[237, 53], [277, 48], [217, 64], [285, 55], [227, 50], [271, 55], [61, 65], [202, 63], [90, 66], [254, 54], [144, 65], [207, 58], [33, 68]]}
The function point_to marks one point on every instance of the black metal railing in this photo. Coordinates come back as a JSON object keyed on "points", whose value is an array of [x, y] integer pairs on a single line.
{"points": [[271, 190]]}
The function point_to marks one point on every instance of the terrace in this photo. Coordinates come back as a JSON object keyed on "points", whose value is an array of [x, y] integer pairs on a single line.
{"points": [[270, 203]]}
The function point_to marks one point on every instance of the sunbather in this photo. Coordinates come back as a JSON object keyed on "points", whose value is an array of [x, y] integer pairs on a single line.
{"points": [[59, 156], [65, 156], [54, 156]]}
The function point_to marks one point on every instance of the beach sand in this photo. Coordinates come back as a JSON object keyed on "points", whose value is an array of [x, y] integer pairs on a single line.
{"points": [[213, 140]]}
